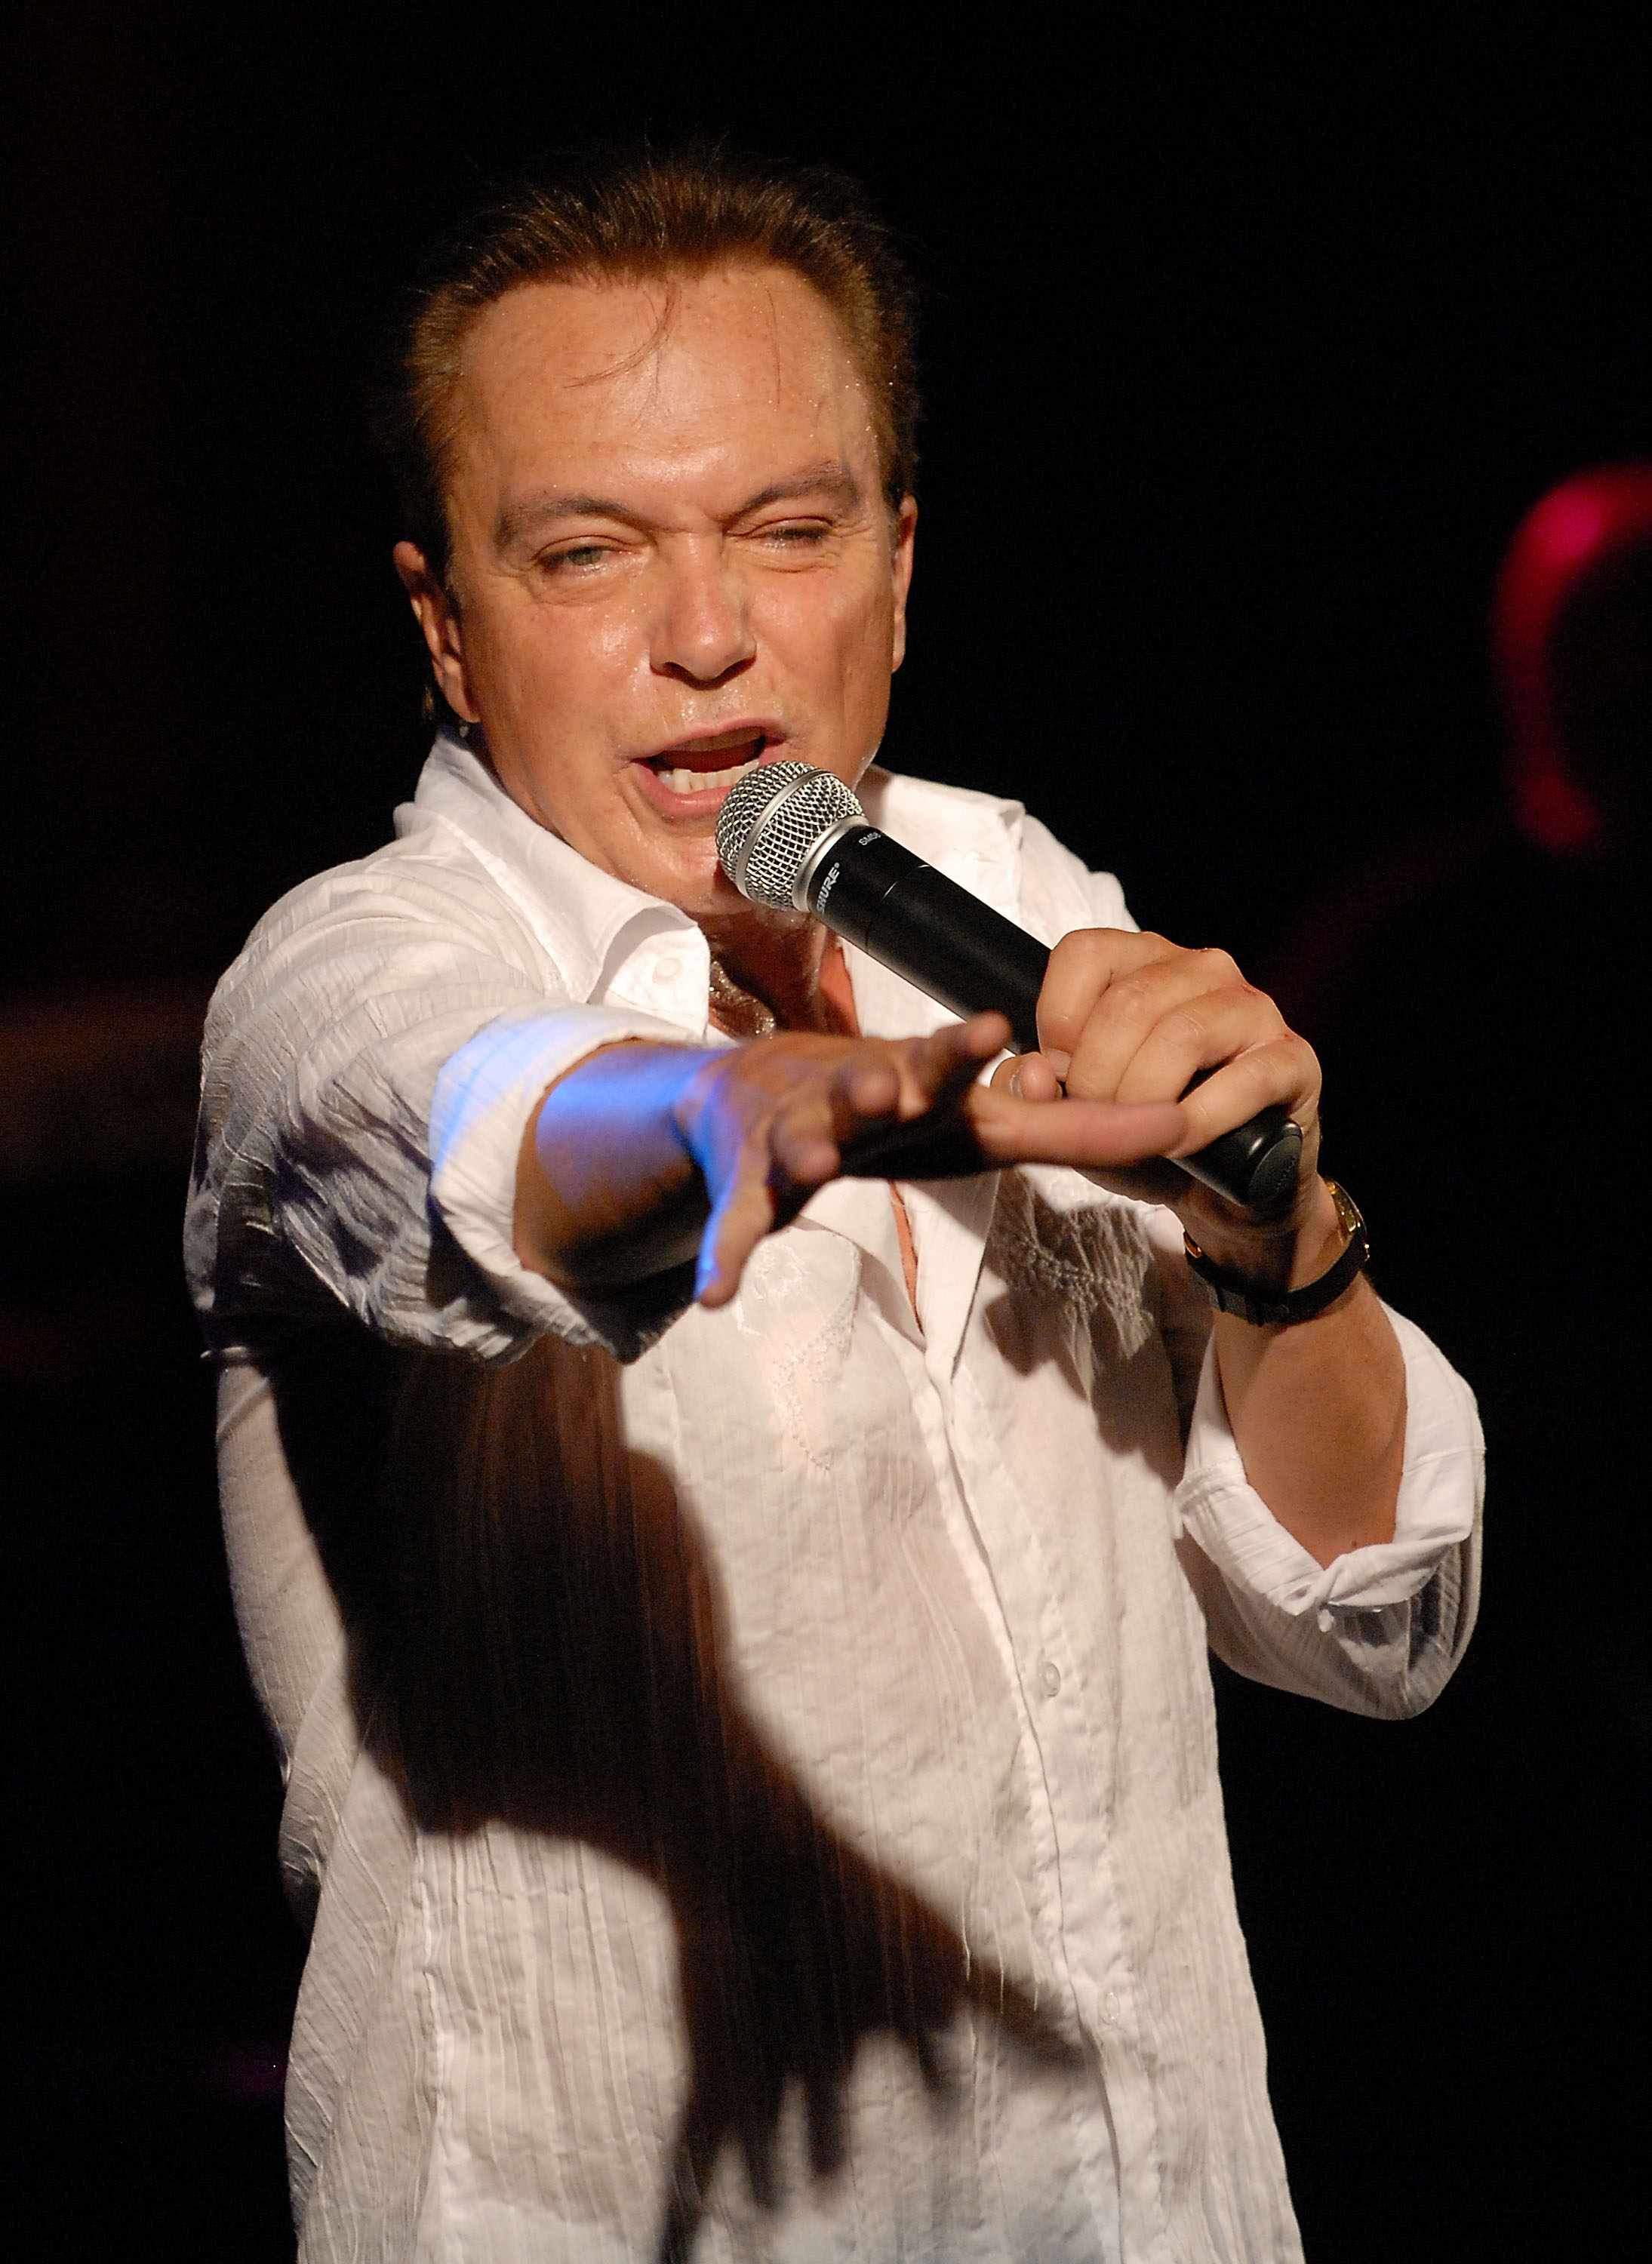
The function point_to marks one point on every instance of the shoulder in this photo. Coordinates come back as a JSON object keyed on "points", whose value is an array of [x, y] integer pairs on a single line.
{"points": [[420, 918], [992, 844], [1060, 890], [426, 882], [428, 873]]}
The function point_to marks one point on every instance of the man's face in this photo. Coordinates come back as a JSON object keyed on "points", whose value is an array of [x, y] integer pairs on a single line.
{"points": [[671, 557]]}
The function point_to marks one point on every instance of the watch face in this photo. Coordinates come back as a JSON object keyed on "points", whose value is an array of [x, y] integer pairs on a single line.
{"points": [[1347, 1210]]}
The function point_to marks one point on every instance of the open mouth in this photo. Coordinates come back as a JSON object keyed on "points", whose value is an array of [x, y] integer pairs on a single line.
{"points": [[712, 764]]}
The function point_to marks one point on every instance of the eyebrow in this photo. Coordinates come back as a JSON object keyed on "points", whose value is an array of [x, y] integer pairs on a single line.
{"points": [[518, 520]]}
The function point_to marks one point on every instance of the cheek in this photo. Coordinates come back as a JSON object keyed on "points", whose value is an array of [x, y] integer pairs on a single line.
{"points": [[868, 655], [844, 637], [564, 657]]}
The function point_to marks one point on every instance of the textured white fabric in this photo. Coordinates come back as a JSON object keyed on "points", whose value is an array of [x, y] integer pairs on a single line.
{"points": [[965, 1568]]}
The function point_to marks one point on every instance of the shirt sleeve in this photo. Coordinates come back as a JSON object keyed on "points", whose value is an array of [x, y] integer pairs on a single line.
{"points": [[1380, 1629], [369, 1067]]}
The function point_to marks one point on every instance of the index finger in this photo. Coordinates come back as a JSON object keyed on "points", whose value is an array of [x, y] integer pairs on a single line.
{"points": [[1081, 966], [1088, 1135]]}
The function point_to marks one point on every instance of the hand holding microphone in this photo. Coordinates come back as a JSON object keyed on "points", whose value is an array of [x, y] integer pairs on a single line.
{"points": [[790, 835]]}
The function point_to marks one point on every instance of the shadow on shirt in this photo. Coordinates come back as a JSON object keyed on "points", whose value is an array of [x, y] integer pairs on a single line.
{"points": [[537, 1637]]}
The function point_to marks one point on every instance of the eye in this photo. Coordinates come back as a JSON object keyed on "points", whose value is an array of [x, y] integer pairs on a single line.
{"points": [[796, 534], [579, 557]]}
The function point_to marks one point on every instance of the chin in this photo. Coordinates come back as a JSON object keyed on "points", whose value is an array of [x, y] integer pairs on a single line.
{"points": [[699, 891]]}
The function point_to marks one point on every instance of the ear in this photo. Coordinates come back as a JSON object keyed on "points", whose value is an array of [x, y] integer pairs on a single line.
{"points": [[901, 567], [438, 616]]}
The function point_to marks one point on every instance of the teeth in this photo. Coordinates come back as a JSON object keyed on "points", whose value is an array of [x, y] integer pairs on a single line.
{"points": [[681, 781]]}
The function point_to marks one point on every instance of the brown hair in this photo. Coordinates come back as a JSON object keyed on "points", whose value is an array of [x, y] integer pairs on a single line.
{"points": [[642, 215]]}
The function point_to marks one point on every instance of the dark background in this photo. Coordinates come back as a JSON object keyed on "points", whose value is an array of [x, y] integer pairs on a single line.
{"points": [[1248, 338]]}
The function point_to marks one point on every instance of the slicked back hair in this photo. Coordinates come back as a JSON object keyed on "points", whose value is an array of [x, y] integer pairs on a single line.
{"points": [[643, 216]]}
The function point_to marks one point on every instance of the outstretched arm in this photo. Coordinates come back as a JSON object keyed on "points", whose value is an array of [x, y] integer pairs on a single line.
{"points": [[644, 1155]]}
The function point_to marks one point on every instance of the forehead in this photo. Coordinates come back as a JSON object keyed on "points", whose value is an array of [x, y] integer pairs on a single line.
{"points": [[709, 371]]}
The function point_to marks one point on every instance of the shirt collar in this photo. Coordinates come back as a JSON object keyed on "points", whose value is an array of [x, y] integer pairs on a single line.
{"points": [[592, 925], [613, 941]]}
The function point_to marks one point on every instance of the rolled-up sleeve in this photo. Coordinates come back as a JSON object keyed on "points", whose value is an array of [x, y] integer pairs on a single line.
{"points": [[1378, 1629], [369, 1067]]}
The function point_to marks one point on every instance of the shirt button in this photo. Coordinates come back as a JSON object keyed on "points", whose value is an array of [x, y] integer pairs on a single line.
{"points": [[1049, 1678], [667, 970], [1110, 2008]]}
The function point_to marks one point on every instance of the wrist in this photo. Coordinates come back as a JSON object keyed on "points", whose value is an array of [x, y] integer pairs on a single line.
{"points": [[1319, 1241], [1307, 1271], [1275, 1255], [701, 1070]]}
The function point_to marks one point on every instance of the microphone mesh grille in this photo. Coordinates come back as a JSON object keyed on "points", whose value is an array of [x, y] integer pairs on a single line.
{"points": [[772, 818]]}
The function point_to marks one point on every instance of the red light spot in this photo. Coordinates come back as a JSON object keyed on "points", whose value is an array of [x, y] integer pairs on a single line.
{"points": [[1563, 535]]}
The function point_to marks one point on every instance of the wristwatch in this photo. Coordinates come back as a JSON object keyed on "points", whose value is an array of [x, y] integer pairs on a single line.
{"points": [[1230, 1295]]}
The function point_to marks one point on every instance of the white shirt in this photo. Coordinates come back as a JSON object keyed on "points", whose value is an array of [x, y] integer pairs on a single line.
{"points": [[933, 1591]]}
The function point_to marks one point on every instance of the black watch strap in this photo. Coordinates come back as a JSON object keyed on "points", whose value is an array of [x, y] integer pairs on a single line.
{"points": [[1230, 1295]]}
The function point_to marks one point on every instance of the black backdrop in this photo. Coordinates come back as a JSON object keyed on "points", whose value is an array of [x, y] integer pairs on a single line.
{"points": [[1249, 335]]}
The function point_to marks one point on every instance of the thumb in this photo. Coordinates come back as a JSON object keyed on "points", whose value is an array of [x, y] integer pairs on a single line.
{"points": [[741, 1214], [1027, 1077]]}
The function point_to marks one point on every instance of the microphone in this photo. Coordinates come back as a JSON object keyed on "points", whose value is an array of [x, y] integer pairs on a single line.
{"points": [[793, 837]]}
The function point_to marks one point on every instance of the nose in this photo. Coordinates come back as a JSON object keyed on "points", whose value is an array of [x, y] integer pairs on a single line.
{"points": [[702, 632]]}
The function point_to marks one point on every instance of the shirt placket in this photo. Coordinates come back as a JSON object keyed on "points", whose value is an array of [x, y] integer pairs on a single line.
{"points": [[1069, 1769]]}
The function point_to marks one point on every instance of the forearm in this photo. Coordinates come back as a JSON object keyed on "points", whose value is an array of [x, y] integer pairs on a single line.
{"points": [[607, 1192], [1318, 1411], [642, 1154]]}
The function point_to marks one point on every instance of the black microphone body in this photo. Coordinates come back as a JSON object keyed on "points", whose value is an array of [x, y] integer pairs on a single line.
{"points": [[879, 896], [945, 942]]}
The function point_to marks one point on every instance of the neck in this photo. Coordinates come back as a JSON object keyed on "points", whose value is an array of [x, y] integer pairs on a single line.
{"points": [[766, 974]]}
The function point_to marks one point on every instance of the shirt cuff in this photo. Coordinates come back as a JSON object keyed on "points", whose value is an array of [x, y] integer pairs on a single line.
{"points": [[484, 1095], [1440, 1486]]}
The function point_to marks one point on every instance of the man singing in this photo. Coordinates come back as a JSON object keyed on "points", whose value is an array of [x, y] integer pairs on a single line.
{"points": [[736, 1627]]}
